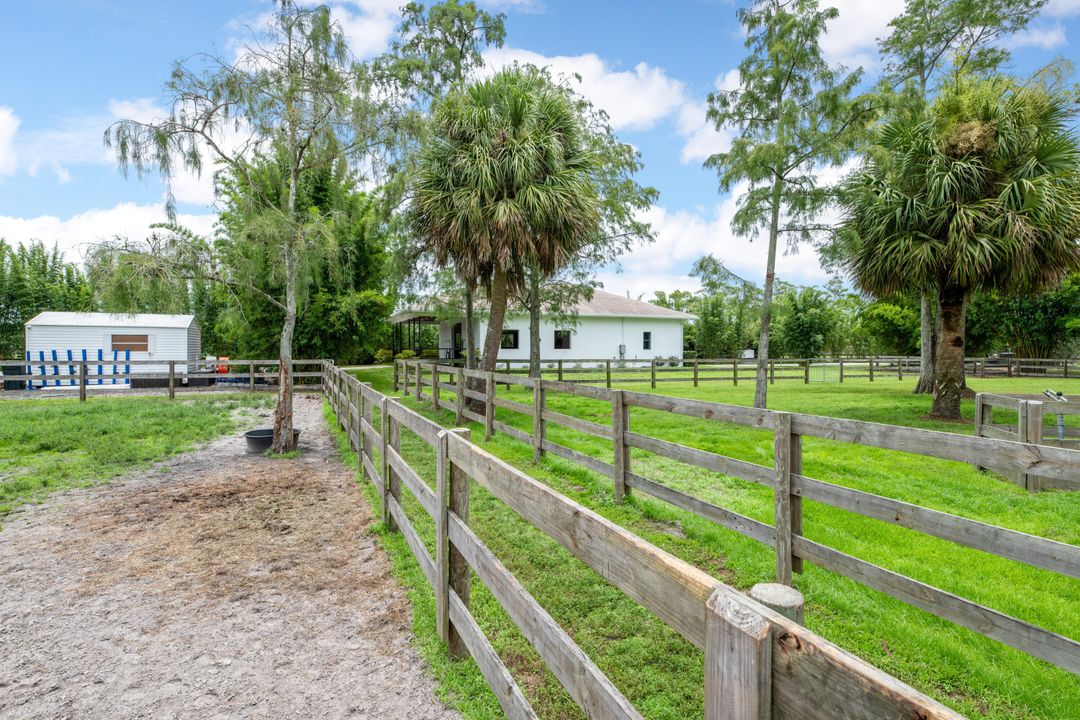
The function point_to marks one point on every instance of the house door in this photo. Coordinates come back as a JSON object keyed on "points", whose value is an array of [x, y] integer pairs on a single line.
{"points": [[457, 341]]}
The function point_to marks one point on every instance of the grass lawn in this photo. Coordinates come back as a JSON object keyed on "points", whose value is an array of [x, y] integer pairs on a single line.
{"points": [[661, 673], [54, 444]]}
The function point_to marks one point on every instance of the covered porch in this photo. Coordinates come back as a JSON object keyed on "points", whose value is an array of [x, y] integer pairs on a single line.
{"points": [[427, 335]]}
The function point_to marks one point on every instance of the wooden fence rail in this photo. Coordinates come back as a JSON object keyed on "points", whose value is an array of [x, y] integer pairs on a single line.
{"points": [[757, 662], [1057, 466], [600, 371]]}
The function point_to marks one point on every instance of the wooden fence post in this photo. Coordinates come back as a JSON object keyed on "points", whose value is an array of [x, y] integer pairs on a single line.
{"points": [[489, 406], [251, 376], [841, 369], [419, 379], [368, 414], [395, 375], [620, 422], [695, 372], [82, 382], [806, 373], [435, 375], [735, 371], [172, 379], [871, 368], [782, 495], [738, 659], [796, 500], [405, 370], [652, 372], [560, 371], [460, 409], [607, 374], [539, 428], [391, 480], [452, 571], [772, 372], [384, 458], [899, 368], [1029, 430]]}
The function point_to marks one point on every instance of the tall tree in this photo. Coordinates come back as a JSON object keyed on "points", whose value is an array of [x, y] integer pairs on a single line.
{"points": [[791, 113], [933, 39], [983, 192], [506, 183], [34, 279], [438, 48], [289, 94]]}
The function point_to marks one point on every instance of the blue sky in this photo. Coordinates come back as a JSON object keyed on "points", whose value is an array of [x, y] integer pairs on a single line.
{"points": [[68, 68]]}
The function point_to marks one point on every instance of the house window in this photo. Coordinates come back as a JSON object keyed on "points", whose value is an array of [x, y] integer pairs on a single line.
{"points": [[134, 343], [646, 341], [509, 340], [562, 339]]}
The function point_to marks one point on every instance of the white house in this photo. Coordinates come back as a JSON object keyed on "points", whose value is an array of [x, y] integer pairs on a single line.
{"points": [[111, 339], [609, 326]]}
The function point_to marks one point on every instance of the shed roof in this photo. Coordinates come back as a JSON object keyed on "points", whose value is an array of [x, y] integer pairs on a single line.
{"points": [[602, 304], [124, 320]]}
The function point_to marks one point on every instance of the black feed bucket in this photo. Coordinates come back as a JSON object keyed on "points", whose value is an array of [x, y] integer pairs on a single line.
{"points": [[260, 440]]}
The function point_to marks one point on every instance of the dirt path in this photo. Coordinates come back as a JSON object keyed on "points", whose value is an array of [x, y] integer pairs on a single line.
{"points": [[218, 585]]}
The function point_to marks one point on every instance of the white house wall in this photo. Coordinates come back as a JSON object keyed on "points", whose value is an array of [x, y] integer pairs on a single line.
{"points": [[593, 338], [163, 344]]}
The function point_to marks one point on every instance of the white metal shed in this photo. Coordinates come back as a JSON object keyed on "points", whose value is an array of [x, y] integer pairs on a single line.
{"points": [[106, 337]]}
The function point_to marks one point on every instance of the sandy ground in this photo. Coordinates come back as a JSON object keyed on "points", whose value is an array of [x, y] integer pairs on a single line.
{"points": [[217, 585]]}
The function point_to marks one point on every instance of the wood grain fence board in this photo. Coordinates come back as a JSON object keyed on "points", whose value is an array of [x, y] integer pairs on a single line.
{"points": [[782, 497], [514, 405], [588, 461], [742, 469], [416, 545], [762, 532], [502, 684], [738, 661], [1028, 638], [475, 395], [425, 429], [999, 455], [470, 415], [593, 392], [416, 485], [1030, 549], [585, 683], [583, 426], [372, 473], [669, 587], [737, 414], [519, 435]]}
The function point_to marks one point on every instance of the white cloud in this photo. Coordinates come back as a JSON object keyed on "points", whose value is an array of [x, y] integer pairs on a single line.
{"points": [[75, 235], [1062, 8], [634, 99], [852, 37], [9, 125], [702, 137], [644, 286], [1046, 38]]}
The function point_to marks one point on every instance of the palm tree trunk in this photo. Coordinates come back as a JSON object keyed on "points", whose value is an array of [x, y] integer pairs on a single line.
{"points": [[949, 363], [470, 329], [925, 386], [497, 313], [534, 322]]}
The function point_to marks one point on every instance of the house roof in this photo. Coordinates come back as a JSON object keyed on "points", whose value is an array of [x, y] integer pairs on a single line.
{"points": [[602, 304], [86, 319]]}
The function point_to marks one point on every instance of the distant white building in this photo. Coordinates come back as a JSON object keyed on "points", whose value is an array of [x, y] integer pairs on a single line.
{"points": [[609, 326], [107, 338]]}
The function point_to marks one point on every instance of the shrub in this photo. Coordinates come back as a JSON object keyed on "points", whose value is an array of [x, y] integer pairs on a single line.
{"points": [[406, 355], [383, 356]]}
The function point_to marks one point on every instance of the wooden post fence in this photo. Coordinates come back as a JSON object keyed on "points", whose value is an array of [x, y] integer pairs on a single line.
{"points": [[435, 390], [82, 382], [489, 406], [871, 368], [782, 488], [539, 428], [560, 370], [251, 376], [841, 369], [806, 372], [652, 372], [607, 374], [419, 379], [1029, 430], [452, 571], [460, 392], [620, 424], [738, 660], [695, 372], [172, 380], [735, 371], [395, 375]]}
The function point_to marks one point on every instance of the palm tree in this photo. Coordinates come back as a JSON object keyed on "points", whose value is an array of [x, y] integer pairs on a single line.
{"points": [[980, 192], [505, 184]]}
